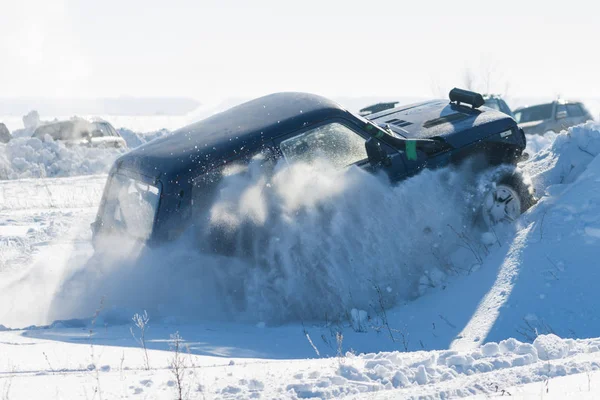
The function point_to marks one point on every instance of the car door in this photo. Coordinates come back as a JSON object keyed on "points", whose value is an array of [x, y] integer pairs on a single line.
{"points": [[341, 144], [333, 141]]}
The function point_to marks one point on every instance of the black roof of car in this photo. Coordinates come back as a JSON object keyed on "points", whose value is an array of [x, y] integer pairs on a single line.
{"points": [[229, 134]]}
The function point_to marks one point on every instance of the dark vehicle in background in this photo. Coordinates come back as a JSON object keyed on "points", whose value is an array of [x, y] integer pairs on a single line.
{"points": [[154, 192], [81, 132], [5, 135], [551, 117], [375, 108], [497, 103]]}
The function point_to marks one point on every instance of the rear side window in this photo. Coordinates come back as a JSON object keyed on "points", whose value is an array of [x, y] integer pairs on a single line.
{"points": [[574, 110], [338, 144], [131, 207]]}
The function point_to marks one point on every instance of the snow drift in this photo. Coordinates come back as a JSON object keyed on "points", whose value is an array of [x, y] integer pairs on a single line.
{"points": [[448, 374], [535, 143], [566, 158]]}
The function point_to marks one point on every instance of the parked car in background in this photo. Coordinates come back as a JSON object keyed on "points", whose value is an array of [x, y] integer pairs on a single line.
{"points": [[5, 135], [497, 103], [551, 117], [156, 191], [81, 132]]}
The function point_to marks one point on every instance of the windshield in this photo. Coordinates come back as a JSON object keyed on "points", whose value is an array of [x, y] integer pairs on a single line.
{"points": [[535, 113]]}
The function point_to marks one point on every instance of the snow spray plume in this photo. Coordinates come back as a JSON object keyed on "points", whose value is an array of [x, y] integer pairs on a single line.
{"points": [[304, 242]]}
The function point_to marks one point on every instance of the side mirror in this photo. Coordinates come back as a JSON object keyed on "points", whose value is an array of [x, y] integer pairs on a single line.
{"points": [[376, 153], [561, 114]]}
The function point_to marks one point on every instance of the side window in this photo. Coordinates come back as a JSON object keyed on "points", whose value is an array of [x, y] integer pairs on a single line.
{"points": [[574, 110], [338, 144], [102, 129], [98, 130]]}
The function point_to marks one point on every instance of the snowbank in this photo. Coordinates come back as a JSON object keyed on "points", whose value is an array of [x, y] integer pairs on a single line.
{"points": [[563, 159], [536, 143], [33, 158], [445, 374]]}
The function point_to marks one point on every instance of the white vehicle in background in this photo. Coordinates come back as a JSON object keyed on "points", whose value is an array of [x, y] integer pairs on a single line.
{"points": [[551, 117], [82, 132]]}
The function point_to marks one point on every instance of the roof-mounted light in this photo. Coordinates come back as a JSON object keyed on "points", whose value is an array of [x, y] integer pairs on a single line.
{"points": [[459, 96]]}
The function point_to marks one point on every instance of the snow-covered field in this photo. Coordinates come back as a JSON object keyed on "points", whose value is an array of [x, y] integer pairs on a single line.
{"points": [[365, 293]]}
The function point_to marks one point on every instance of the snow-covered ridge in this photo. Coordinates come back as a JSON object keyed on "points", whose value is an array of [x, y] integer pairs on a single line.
{"points": [[449, 371]]}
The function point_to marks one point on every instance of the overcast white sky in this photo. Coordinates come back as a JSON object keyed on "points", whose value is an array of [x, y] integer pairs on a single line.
{"points": [[209, 49]]}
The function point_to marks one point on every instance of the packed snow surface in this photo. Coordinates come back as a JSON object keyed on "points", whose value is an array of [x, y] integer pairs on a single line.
{"points": [[393, 293]]}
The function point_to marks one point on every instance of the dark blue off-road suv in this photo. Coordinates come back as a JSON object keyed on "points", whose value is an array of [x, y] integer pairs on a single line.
{"points": [[152, 191]]}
